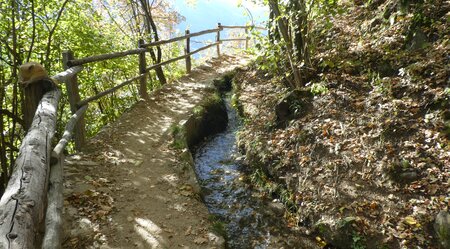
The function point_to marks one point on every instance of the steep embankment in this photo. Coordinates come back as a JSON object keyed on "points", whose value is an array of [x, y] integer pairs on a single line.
{"points": [[130, 188], [360, 158]]}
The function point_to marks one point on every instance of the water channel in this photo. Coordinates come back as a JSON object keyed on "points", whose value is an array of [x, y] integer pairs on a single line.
{"points": [[248, 221]]}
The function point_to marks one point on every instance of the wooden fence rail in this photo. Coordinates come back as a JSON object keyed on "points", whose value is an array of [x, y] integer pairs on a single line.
{"points": [[38, 172]]}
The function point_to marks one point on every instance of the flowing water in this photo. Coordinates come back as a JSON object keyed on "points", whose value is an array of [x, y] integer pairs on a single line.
{"points": [[247, 220]]}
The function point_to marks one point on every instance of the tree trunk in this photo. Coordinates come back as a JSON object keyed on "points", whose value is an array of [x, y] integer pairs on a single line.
{"points": [[3, 159], [22, 207], [283, 27], [300, 28], [152, 29]]}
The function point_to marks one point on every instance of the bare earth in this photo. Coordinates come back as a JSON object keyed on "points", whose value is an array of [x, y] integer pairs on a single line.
{"points": [[129, 189]]}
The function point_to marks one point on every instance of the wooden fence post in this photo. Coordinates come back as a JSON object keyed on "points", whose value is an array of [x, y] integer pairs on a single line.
{"points": [[33, 95], [142, 70], [247, 38], [73, 94], [187, 50], [219, 26]]}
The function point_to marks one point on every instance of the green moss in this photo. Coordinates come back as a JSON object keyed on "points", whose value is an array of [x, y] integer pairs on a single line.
{"points": [[218, 226], [179, 138], [224, 84], [198, 110]]}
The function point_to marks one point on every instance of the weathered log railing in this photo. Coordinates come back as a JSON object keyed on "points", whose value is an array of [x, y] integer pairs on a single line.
{"points": [[25, 219]]}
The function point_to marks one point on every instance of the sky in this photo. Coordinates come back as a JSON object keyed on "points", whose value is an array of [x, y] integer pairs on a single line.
{"points": [[205, 14]]}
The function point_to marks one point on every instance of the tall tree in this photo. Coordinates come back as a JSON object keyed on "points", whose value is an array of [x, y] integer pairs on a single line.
{"points": [[289, 25], [153, 34]]}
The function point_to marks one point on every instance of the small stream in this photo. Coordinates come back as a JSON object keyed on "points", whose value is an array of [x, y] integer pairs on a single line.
{"points": [[248, 221]]}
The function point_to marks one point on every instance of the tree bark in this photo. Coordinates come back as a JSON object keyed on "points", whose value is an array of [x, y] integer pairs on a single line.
{"points": [[299, 17], [3, 159], [22, 206], [283, 27], [152, 29], [53, 217]]}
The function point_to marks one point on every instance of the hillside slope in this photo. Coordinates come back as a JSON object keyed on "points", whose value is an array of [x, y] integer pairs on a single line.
{"points": [[361, 157]]}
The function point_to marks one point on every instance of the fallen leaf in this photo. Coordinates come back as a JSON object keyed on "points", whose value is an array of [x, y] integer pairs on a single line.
{"points": [[410, 220]]}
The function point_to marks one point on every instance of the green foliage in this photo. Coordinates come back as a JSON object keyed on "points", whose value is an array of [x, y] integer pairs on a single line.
{"points": [[268, 54], [319, 89], [447, 92], [380, 85], [41, 30], [357, 241]]}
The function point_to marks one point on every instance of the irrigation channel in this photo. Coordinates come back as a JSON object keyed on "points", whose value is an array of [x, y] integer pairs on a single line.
{"points": [[245, 217]]}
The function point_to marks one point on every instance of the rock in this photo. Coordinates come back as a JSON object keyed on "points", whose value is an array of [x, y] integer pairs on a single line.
{"points": [[408, 176], [217, 241], [418, 40], [340, 233], [85, 228], [401, 172], [277, 208], [293, 105], [442, 228]]}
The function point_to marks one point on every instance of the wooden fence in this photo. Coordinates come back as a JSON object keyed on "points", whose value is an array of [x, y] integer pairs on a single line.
{"points": [[31, 207]]}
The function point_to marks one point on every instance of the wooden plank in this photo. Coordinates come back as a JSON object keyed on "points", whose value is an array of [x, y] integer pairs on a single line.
{"points": [[161, 42], [219, 27], [67, 75], [234, 27], [53, 217], [33, 94], [187, 50], [247, 38], [73, 94], [243, 27], [111, 90], [203, 48], [22, 206], [166, 62], [180, 57], [67, 134], [260, 28], [143, 80], [233, 39], [104, 57]]}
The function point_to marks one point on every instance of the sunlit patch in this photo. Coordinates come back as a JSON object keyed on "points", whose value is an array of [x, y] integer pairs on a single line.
{"points": [[149, 231], [179, 207], [47, 107], [171, 179]]}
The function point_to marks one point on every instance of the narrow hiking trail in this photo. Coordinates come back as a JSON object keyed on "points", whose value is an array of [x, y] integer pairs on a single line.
{"points": [[128, 188]]}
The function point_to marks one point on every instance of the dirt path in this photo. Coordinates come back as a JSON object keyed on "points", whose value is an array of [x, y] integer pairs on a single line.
{"points": [[129, 189]]}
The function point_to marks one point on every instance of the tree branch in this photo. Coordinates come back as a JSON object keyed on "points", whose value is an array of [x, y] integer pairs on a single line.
{"points": [[52, 31], [33, 36]]}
